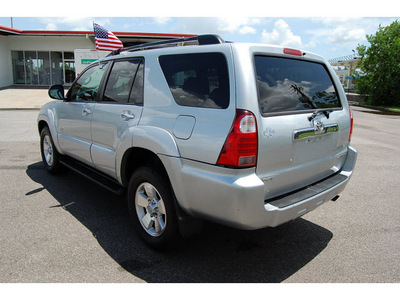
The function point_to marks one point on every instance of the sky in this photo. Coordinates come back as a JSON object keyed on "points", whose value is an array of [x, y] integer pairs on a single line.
{"points": [[332, 32]]}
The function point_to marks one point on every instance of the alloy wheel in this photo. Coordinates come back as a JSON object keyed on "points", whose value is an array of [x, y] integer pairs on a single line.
{"points": [[150, 209]]}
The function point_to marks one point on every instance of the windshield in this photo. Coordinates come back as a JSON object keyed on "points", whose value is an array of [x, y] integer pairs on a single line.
{"points": [[287, 85]]}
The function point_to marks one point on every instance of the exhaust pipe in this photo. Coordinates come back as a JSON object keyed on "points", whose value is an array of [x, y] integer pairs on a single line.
{"points": [[335, 198]]}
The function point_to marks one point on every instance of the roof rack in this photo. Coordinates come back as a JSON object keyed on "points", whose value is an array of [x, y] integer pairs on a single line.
{"points": [[205, 39]]}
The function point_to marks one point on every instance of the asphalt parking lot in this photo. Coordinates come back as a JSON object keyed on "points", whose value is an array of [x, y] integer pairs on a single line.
{"points": [[67, 229]]}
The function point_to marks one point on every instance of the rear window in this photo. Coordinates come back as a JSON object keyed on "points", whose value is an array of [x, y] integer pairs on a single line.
{"points": [[197, 80], [289, 85]]}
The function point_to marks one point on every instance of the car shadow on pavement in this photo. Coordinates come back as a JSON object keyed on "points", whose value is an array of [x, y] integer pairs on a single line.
{"points": [[218, 254]]}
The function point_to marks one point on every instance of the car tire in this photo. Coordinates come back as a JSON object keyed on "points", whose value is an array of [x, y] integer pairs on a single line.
{"points": [[151, 207], [50, 155]]}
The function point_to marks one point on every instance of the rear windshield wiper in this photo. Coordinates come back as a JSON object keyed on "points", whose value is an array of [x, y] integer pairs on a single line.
{"points": [[325, 111], [305, 99]]}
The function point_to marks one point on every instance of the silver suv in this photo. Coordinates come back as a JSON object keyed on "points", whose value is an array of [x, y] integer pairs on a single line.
{"points": [[246, 135]]}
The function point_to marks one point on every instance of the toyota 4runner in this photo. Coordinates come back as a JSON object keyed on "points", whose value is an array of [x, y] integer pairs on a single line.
{"points": [[246, 135]]}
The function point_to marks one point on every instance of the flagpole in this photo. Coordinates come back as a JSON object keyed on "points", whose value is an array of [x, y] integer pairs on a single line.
{"points": [[97, 51]]}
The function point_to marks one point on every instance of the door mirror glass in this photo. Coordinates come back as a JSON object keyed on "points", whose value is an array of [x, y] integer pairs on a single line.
{"points": [[56, 92]]}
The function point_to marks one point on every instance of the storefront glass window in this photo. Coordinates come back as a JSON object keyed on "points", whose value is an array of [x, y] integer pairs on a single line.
{"points": [[44, 68], [69, 55], [57, 68], [18, 67], [31, 68], [69, 67]]}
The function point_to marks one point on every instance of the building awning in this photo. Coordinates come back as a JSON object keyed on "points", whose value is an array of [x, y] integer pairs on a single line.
{"points": [[141, 35], [9, 31], [127, 38]]}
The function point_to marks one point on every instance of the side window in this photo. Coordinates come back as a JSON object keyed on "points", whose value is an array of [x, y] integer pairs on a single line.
{"points": [[120, 81], [197, 80], [136, 96], [87, 85]]}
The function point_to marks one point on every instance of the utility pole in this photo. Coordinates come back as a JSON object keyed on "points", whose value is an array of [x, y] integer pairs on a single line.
{"points": [[12, 25]]}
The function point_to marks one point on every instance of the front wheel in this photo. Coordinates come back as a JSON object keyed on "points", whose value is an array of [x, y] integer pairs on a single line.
{"points": [[50, 155], [151, 207]]}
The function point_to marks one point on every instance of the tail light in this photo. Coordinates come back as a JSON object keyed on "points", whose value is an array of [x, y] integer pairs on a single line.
{"points": [[241, 146], [351, 124]]}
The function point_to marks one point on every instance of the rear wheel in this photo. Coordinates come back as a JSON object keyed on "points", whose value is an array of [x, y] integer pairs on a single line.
{"points": [[151, 207], [50, 155]]}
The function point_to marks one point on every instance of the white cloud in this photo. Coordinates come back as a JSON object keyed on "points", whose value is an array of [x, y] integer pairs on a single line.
{"points": [[346, 31], [281, 35], [342, 34], [231, 25], [227, 25], [162, 20], [74, 23], [247, 30], [338, 30], [51, 26]]}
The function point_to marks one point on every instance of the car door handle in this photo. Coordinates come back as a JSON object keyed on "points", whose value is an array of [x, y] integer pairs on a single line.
{"points": [[127, 115], [86, 111]]}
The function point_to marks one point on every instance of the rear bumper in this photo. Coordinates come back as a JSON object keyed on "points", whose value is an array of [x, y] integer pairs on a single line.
{"points": [[317, 194], [236, 197]]}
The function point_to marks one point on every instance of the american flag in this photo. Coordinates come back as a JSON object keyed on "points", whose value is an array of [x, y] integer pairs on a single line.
{"points": [[105, 39]]}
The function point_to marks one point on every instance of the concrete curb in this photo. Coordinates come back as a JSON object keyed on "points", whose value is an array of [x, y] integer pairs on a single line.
{"points": [[376, 108]]}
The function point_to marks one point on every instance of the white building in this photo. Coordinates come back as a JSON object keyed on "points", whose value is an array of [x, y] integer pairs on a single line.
{"points": [[45, 57]]}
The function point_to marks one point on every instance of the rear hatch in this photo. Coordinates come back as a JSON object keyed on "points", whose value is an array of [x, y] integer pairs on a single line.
{"points": [[303, 124]]}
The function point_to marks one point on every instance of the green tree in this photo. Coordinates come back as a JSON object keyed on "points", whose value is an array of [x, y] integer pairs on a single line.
{"points": [[379, 78]]}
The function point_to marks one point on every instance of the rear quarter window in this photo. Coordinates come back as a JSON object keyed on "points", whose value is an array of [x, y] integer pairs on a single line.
{"points": [[198, 79], [290, 85], [120, 81]]}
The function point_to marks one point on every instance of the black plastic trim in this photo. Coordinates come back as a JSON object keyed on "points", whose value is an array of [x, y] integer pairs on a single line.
{"points": [[103, 180], [306, 192]]}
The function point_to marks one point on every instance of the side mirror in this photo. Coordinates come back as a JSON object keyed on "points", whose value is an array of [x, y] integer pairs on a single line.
{"points": [[56, 92]]}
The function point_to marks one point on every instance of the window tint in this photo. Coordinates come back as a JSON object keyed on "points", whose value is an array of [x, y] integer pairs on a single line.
{"points": [[199, 80], [120, 81], [290, 85], [136, 96], [87, 85]]}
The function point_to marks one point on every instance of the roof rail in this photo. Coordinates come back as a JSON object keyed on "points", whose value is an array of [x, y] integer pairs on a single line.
{"points": [[205, 39]]}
